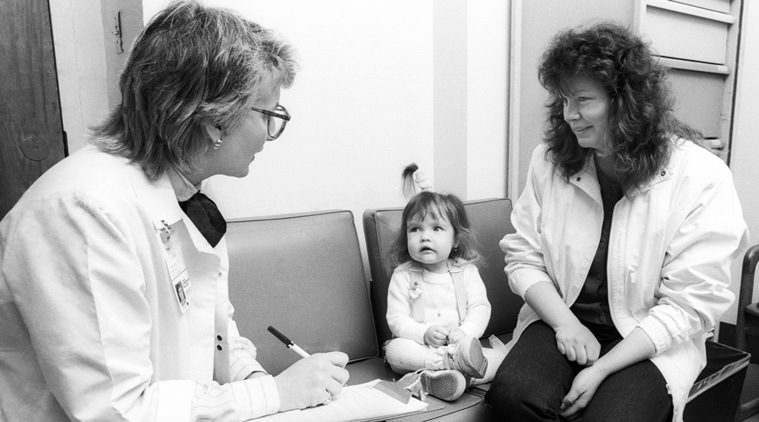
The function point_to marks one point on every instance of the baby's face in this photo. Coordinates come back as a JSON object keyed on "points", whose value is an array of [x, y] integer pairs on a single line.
{"points": [[430, 241]]}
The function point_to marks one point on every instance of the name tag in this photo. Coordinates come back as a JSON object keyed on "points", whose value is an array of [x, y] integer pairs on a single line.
{"points": [[183, 290], [180, 281]]}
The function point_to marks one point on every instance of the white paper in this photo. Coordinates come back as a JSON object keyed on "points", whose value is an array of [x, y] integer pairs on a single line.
{"points": [[360, 402]]}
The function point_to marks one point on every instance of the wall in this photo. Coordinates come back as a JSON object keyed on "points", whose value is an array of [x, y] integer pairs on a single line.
{"points": [[540, 21], [80, 61], [488, 51], [366, 100], [744, 155], [361, 106], [87, 61], [373, 95]]}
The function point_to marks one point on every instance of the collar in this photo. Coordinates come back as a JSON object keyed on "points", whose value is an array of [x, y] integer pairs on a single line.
{"points": [[160, 197], [454, 266], [182, 187], [587, 180]]}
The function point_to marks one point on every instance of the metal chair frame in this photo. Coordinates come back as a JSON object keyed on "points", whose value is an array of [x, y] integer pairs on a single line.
{"points": [[747, 320]]}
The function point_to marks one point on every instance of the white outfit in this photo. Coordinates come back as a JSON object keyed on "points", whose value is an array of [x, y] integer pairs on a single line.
{"points": [[92, 329], [408, 352], [670, 251]]}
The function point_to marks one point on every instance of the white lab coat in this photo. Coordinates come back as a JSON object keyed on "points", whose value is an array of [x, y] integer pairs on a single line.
{"points": [[670, 251], [91, 326]]}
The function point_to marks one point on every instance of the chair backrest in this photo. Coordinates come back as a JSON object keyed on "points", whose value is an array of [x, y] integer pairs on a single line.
{"points": [[490, 220], [745, 297], [302, 274]]}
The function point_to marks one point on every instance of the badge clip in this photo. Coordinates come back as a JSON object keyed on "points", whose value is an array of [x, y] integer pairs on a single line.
{"points": [[166, 232]]}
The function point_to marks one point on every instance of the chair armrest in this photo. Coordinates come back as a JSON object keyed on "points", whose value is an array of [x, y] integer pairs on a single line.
{"points": [[750, 260]]}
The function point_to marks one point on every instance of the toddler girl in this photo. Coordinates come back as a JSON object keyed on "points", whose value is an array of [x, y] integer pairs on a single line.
{"points": [[437, 306]]}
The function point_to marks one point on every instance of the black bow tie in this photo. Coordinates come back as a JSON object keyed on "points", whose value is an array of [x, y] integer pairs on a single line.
{"points": [[206, 217]]}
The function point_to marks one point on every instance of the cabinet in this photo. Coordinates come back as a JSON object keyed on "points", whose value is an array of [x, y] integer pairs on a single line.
{"points": [[697, 40]]}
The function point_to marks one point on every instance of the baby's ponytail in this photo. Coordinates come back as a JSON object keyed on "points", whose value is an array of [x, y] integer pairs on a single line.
{"points": [[413, 181]]}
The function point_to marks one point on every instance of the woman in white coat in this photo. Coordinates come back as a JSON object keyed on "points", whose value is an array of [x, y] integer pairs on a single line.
{"points": [[625, 233], [113, 282]]}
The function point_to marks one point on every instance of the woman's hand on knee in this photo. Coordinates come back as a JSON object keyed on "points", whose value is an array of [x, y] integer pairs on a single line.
{"points": [[578, 344], [583, 388]]}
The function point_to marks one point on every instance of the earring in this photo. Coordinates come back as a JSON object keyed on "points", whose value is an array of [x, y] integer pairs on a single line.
{"points": [[217, 144]]}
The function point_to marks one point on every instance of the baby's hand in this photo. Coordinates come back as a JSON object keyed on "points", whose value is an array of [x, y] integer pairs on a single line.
{"points": [[435, 336], [456, 335]]}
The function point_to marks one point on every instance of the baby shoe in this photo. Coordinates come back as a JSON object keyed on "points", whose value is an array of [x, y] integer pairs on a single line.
{"points": [[466, 356], [445, 384]]}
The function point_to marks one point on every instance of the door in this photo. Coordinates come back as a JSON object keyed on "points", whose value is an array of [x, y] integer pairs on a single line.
{"points": [[31, 132]]}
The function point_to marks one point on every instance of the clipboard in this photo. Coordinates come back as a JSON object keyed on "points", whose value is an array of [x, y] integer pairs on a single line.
{"points": [[355, 403]]}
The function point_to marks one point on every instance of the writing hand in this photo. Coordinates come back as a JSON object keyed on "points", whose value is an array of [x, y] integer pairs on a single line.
{"points": [[312, 381], [583, 388], [578, 344], [436, 335]]}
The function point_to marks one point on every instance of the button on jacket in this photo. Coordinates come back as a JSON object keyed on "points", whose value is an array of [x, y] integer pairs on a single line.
{"points": [[91, 326], [671, 246]]}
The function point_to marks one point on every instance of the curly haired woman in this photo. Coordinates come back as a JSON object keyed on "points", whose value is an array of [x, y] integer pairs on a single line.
{"points": [[625, 234]]}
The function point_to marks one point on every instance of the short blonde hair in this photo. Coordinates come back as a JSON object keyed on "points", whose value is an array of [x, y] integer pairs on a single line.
{"points": [[191, 66]]}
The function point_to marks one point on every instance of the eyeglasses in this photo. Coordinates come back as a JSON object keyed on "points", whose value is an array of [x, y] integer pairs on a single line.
{"points": [[275, 126]]}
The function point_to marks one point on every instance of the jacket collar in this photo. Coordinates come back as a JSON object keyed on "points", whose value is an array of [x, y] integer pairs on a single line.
{"points": [[587, 180], [183, 189], [160, 200]]}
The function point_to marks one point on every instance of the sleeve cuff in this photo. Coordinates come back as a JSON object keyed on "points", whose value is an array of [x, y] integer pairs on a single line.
{"points": [[242, 367], [256, 397], [657, 332], [416, 333], [175, 400], [521, 280]]}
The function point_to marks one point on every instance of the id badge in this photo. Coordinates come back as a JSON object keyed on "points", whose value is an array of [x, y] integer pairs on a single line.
{"points": [[182, 290], [180, 281]]}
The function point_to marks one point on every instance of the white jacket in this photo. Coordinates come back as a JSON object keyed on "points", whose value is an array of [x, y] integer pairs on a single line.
{"points": [[91, 326], [670, 251]]}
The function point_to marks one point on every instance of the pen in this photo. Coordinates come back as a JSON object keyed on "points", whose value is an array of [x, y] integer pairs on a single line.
{"points": [[289, 343]]}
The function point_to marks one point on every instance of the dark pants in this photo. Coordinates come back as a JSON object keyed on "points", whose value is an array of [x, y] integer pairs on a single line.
{"points": [[535, 377]]}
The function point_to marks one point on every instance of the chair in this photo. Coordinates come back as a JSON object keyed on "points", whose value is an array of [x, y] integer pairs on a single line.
{"points": [[490, 219], [304, 275], [747, 325]]}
